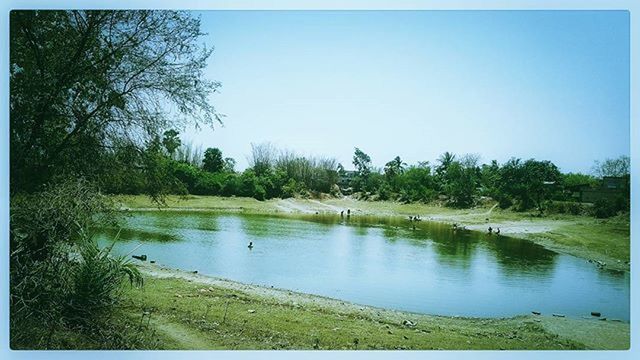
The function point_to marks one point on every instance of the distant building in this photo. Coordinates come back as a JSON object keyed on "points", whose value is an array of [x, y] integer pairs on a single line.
{"points": [[610, 188]]}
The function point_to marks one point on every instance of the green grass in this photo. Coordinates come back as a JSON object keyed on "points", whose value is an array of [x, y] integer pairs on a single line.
{"points": [[193, 316], [189, 314], [596, 237]]}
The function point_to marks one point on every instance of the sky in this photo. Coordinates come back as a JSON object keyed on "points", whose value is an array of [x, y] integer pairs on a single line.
{"points": [[549, 85]]}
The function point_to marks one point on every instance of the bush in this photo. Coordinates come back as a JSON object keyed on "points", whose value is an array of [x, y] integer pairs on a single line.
{"points": [[605, 208], [58, 276], [95, 283], [208, 184], [566, 207]]}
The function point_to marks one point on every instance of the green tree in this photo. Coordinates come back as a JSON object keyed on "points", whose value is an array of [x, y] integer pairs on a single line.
{"points": [[578, 179], [394, 167], [392, 172], [213, 161], [80, 79], [229, 165], [171, 141], [618, 167], [445, 160], [362, 162], [417, 183], [531, 182], [461, 183]]}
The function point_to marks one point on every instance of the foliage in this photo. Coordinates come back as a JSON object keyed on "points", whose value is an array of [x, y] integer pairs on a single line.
{"points": [[213, 161], [571, 180], [362, 163], [392, 171], [568, 207], [171, 141], [530, 182], [82, 80], [459, 180], [618, 167], [460, 183], [417, 184], [262, 157], [606, 208], [60, 213], [59, 278], [96, 282]]}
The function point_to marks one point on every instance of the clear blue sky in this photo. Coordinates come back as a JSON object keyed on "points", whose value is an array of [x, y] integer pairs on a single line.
{"points": [[552, 85]]}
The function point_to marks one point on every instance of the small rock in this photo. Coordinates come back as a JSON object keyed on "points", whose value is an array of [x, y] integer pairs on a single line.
{"points": [[536, 312], [194, 271], [558, 315], [335, 329], [389, 332], [408, 323], [202, 290], [178, 295], [595, 313], [211, 289], [405, 337], [603, 319], [152, 261], [251, 311]]}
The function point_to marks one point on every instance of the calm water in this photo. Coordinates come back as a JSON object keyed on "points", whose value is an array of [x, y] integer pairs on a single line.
{"points": [[380, 262]]}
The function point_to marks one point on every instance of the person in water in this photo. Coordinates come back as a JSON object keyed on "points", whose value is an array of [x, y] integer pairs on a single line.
{"points": [[490, 230], [250, 245], [498, 231]]}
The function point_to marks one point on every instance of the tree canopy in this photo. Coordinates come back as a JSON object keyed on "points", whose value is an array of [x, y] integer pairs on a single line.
{"points": [[82, 81]]}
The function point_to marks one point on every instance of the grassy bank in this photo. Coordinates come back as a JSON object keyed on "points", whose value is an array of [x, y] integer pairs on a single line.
{"points": [[590, 238], [188, 311]]}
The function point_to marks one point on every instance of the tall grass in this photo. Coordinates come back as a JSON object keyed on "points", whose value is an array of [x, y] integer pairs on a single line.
{"points": [[60, 279]]}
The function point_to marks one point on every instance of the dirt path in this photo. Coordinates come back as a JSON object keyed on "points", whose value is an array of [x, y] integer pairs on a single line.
{"points": [[183, 336], [329, 207], [291, 206]]}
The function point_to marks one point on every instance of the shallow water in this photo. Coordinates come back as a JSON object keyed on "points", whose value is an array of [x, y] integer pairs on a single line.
{"points": [[380, 262]]}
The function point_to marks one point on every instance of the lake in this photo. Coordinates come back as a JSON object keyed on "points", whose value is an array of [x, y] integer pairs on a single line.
{"points": [[377, 261]]}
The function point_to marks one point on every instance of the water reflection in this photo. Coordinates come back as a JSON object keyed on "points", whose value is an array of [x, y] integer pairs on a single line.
{"points": [[381, 261]]}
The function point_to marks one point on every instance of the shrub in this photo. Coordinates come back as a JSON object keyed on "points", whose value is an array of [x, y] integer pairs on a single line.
{"points": [[605, 208], [566, 207], [58, 276], [95, 282]]}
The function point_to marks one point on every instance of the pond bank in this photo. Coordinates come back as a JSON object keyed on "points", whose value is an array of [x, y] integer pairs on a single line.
{"points": [[200, 312], [604, 241]]}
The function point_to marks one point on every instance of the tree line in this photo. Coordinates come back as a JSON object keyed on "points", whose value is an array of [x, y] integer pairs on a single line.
{"points": [[454, 180]]}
